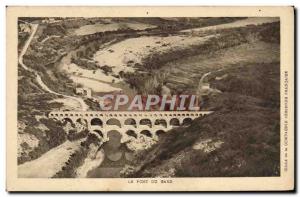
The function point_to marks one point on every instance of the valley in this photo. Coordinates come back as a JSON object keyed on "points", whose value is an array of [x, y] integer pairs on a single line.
{"points": [[237, 60]]}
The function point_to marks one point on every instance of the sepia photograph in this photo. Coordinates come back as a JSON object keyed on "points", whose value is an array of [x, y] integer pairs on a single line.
{"points": [[150, 99]]}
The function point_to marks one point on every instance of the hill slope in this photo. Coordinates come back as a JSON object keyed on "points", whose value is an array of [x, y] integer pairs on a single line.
{"points": [[241, 138]]}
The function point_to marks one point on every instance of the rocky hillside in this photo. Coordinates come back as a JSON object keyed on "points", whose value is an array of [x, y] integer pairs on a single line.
{"points": [[242, 136]]}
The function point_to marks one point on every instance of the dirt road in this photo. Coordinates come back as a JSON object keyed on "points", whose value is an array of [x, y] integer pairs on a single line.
{"points": [[39, 80]]}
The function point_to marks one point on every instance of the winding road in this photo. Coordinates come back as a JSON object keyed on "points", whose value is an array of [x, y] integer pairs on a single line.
{"points": [[39, 80]]}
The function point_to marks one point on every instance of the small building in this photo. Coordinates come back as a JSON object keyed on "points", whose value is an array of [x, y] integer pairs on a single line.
{"points": [[84, 91]]}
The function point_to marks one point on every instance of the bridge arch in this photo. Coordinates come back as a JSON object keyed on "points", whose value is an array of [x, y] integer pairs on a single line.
{"points": [[131, 133], [162, 122], [99, 132], [160, 132], [174, 122], [187, 121], [82, 121], [146, 121], [67, 120], [114, 121], [96, 122], [130, 121], [146, 133]]}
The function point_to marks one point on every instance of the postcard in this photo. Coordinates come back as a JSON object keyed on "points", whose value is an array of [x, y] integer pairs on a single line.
{"points": [[150, 98]]}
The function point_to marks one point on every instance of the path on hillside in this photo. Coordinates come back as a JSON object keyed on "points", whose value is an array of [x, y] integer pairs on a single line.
{"points": [[34, 27], [202, 80], [49, 37]]}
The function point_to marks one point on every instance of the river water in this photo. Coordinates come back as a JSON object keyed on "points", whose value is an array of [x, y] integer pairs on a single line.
{"points": [[116, 156]]}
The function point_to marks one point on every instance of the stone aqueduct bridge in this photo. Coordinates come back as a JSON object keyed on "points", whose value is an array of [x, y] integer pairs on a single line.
{"points": [[128, 123]]}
